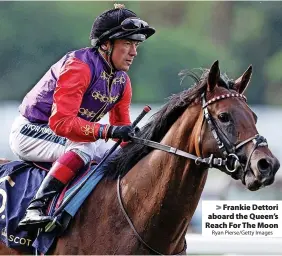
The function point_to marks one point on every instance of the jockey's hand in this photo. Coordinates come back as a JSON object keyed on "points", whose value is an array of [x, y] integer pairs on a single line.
{"points": [[136, 130], [121, 132]]}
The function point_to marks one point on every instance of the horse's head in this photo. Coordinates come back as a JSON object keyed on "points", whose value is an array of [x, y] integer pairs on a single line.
{"points": [[230, 132]]}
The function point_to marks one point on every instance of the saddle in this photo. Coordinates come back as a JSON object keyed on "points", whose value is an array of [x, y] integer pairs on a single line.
{"points": [[19, 181]]}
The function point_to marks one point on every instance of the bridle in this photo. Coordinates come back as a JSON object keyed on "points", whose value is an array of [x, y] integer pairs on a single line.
{"points": [[229, 152]]}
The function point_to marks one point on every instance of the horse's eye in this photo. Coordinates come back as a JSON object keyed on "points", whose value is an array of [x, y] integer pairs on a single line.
{"points": [[224, 117]]}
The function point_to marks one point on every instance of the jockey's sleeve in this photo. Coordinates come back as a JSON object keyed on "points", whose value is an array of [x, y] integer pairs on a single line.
{"points": [[72, 83], [119, 114]]}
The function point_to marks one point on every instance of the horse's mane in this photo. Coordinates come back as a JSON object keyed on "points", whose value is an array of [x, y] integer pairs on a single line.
{"points": [[160, 123]]}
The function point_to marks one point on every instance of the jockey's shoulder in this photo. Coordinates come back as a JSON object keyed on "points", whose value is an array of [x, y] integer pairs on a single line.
{"points": [[82, 53], [127, 77]]}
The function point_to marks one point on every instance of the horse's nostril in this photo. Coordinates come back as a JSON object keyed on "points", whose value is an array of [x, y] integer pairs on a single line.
{"points": [[263, 165]]}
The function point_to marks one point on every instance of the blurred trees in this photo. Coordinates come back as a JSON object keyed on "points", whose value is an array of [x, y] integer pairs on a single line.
{"points": [[189, 35]]}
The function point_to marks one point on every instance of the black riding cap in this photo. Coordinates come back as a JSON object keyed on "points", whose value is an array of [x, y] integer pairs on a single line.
{"points": [[119, 23]]}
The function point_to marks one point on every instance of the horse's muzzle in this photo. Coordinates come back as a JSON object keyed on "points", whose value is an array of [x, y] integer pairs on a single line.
{"points": [[261, 172]]}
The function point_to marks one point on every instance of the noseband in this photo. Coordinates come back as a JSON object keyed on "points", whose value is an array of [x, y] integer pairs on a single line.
{"points": [[231, 161]]}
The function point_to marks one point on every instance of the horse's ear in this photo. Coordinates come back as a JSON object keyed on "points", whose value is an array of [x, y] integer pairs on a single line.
{"points": [[213, 77], [242, 82]]}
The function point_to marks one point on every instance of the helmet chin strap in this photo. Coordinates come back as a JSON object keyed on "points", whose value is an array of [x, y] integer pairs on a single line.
{"points": [[109, 53]]}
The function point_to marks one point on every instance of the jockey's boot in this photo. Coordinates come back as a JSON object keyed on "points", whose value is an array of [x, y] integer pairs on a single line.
{"points": [[61, 173], [35, 216]]}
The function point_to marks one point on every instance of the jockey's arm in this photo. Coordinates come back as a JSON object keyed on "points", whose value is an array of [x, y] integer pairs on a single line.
{"points": [[72, 83], [119, 114]]}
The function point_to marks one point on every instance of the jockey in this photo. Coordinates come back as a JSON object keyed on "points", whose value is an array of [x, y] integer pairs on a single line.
{"points": [[58, 119]]}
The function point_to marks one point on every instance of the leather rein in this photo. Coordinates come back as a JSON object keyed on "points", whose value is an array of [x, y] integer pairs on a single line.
{"points": [[227, 149]]}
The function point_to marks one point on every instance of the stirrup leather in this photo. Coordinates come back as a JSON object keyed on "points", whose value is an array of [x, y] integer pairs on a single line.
{"points": [[52, 225]]}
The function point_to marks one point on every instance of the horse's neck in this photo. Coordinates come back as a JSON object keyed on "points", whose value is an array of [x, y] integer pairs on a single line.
{"points": [[162, 191]]}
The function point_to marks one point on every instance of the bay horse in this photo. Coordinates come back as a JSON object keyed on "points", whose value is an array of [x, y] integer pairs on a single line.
{"points": [[148, 197]]}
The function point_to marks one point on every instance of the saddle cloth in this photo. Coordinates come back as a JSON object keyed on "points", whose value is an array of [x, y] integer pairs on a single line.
{"points": [[19, 182]]}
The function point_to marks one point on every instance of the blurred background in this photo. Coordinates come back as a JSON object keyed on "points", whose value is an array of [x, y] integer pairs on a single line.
{"points": [[34, 35]]}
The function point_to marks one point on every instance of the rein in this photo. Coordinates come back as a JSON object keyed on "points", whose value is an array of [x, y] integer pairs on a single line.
{"points": [[211, 161], [132, 225], [227, 149]]}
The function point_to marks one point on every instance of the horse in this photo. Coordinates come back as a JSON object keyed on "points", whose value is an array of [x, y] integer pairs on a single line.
{"points": [[153, 185]]}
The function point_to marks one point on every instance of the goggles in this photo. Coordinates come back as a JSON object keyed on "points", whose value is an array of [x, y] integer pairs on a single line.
{"points": [[133, 23], [129, 24]]}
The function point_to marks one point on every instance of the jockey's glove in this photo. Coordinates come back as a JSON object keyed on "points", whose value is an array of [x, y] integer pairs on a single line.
{"points": [[120, 132], [136, 130]]}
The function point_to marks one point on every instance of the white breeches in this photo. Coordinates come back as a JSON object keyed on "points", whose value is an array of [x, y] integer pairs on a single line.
{"points": [[38, 143]]}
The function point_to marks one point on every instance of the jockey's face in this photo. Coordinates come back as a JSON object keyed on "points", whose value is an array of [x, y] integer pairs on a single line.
{"points": [[124, 51]]}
